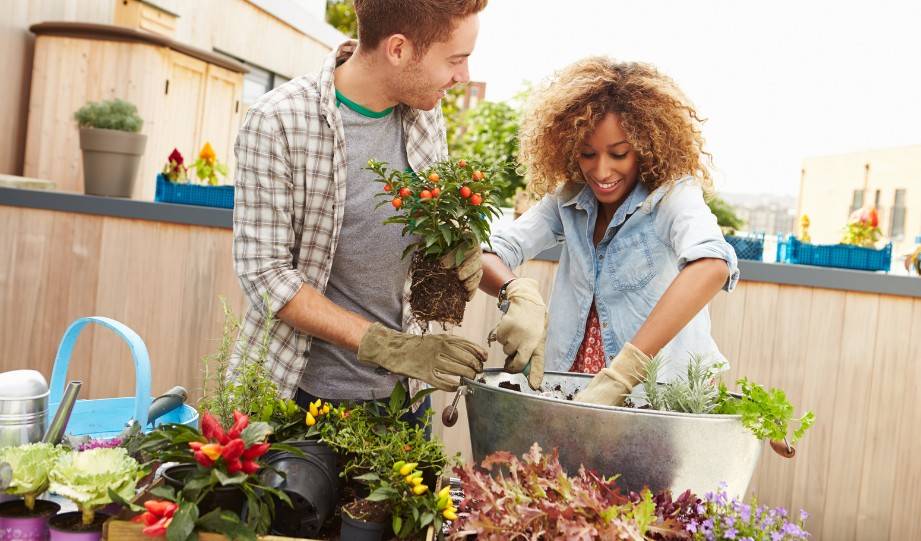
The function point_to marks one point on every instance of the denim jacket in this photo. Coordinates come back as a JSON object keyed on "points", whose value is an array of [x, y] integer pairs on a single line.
{"points": [[649, 240]]}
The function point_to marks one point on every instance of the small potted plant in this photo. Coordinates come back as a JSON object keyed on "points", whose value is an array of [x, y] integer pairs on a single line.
{"points": [[111, 145], [28, 518], [448, 207], [175, 186], [89, 478], [217, 467], [364, 520]]}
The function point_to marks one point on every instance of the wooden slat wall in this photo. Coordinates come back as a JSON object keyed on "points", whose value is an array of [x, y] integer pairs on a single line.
{"points": [[852, 358]]}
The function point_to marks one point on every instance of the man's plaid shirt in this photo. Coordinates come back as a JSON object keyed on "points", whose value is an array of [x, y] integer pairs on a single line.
{"points": [[289, 200]]}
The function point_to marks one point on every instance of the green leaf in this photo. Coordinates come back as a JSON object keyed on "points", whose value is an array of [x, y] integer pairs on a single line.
{"points": [[118, 500], [396, 523], [183, 523], [426, 518], [227, 523], [227, 480], [381, 494], [397, 399], [368, 477], [256, 433], [165, 492]]}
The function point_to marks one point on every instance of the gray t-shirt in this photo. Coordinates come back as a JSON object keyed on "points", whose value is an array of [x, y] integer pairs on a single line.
{"points": [[367, 275]]}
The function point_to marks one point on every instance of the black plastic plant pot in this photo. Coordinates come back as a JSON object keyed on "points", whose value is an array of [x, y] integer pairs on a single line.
{"points": [[229, 498], [354, 529], [311, 482]]}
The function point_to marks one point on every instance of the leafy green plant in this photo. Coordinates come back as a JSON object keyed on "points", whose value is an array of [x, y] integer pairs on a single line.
{"points": [[86, 477], [767, 414], [726, 216], [693, 392], [30, 464], [862, 228], [247, 387], [372, 437], [490, 135], [110, 115], [341, 15]]}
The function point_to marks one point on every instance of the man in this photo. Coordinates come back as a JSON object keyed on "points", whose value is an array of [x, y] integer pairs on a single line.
{"points": [[309, 244]]}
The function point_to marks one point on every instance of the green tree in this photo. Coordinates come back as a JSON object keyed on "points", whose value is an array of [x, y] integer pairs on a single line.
{"points": [[726, 216], [341, 15]]}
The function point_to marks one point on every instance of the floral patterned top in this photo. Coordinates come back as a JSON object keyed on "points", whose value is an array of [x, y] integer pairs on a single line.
{"points": [[590, 358]]}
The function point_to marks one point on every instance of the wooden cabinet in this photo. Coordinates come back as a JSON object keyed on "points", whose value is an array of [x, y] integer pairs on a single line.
{"points": [[185, 96]]}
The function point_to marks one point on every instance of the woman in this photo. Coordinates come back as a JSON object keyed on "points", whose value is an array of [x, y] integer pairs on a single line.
{"points": [[616, 151]]}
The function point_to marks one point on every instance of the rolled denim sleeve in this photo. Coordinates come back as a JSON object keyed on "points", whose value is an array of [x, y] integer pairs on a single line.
{"points": [[263, 237], [533, 232], [685, 222]]}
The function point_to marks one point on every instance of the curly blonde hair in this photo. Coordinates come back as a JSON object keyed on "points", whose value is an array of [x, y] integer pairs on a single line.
{"points": [[660, 122]]}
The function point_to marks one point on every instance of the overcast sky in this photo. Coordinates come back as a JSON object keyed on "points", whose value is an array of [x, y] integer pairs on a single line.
{"points": [[778, 81]]}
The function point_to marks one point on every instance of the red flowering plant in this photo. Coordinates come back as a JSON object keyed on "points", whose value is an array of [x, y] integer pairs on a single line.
{"points": [[223, 456], [862, 228], [175, 169]]}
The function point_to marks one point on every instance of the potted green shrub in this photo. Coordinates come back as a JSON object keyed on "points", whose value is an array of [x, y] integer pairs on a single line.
{"points": [[28, 518], [112, 146]]}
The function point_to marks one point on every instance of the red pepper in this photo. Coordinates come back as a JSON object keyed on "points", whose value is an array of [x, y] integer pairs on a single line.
{"points": [[212, 429], [158, 529], [161, 508], [234, 466], [256, 450], [250, 467], [233, 450], [240, 421], [202, 459]]}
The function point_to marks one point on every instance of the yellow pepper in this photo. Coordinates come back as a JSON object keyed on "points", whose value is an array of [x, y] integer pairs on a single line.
{"points": [[408, 468], [326, 408], [449, 514], [212, 450], [444, 492], [311, 420], [314, 410], [417, 481], [418, 490], [398, 464]]}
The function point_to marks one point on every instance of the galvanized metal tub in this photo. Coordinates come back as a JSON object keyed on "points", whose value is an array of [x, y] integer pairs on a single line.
{"points": [[661, 450]]}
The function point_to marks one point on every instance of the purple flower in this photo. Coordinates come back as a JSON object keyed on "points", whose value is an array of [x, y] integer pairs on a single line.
{"points": [[730, 533], [692, 526], [803, 515]]}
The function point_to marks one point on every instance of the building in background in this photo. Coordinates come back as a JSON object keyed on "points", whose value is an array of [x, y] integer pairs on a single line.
{"points": [[264, 42], [889, 179], [474, 93], [771, 214]]}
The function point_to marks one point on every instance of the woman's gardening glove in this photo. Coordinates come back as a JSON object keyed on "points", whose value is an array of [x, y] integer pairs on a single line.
{"points": [[522, 331], [469, 269], [611, 386], [437, 359]]}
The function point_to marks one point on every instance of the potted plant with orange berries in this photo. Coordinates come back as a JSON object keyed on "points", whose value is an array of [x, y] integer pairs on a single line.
{"points": [[448, 207]]}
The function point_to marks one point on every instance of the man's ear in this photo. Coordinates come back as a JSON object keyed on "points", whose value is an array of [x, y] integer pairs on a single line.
{"points": [[398, 50]]}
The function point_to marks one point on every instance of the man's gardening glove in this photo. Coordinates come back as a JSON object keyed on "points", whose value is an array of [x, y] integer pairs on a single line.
{"points": [[469, 268], [522, 331], [613, 384], [437, 359]]}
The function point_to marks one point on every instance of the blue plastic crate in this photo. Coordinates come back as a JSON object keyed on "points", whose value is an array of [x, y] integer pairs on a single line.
{"points": [[843, 256], [193, 194], [748, 247]]}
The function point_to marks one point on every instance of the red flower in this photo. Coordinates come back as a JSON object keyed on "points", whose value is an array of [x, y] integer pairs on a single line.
{"points": [[233, 450], [175, 156], [256, 450], [212, 429], [240, 421]]}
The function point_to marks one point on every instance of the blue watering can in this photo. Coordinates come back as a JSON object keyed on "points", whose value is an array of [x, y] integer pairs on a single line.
{"points": [[106, 417]]}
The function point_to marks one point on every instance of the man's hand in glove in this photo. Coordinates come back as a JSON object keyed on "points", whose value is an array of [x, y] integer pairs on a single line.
{"points": [[437, 359]]}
